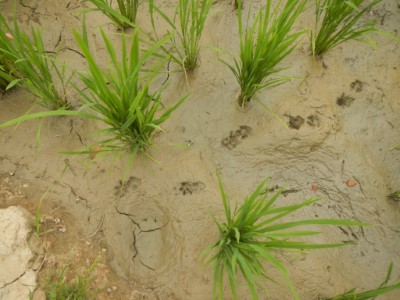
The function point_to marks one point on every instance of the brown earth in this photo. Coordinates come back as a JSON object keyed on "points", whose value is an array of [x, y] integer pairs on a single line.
{"points": [[343, 114]]}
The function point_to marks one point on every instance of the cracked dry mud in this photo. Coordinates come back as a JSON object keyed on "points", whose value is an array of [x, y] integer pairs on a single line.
{"points": [[151, 230]]}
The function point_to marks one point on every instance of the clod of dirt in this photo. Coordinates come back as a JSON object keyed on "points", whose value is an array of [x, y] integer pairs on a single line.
{"points": [[356, 85], [313, 120], [344, 100], [17, 280], [189, 187], [351, 183], [236, 137], [314, 187], [296, 122]]}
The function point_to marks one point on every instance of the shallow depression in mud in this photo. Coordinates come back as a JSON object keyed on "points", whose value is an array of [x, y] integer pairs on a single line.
{"points": [[155, 243]]}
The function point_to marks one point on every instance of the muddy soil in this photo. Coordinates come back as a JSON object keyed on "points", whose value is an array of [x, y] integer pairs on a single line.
{"points": [[343, 117]]}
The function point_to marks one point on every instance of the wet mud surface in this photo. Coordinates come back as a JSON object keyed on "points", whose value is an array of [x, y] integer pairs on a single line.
{"points": [[343, 116]]}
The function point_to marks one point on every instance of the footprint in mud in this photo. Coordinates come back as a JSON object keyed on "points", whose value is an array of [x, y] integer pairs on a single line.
{"points": [[313, 120], [236, 137], [190, 187], [356, 86], [122, 187], [295, 122], [344, 100], [149, 242]]}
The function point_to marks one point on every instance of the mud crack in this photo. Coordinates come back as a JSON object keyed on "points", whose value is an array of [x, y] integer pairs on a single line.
{"points": [[137, 223], [15, 280], [136, 254]]}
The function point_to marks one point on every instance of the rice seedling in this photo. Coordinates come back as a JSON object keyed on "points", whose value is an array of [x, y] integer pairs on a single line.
{"points": [[337, 21], [121, 97], [58, 287], [124, 17], [186, 27], [6, 76], [250, 235], [383, 288], [263, 45], [36, 70], [7, 70], [395, 196]]}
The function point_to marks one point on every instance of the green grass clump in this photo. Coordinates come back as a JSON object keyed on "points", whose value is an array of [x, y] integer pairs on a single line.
{"points": [[120, 96], [395, 196], [337, 21], [263, 45], [124, 17], [187, 27], [36, 70], [253, 232], [383, 288], [58, 287], [7, 69]]}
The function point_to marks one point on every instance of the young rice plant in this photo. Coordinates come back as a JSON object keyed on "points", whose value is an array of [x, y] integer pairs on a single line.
{"points": [[383, 288], [253, 232], [36, 71], [337, 21], [191, 15], [120, 97], [124, 17], [7, 61], [263, 45]]}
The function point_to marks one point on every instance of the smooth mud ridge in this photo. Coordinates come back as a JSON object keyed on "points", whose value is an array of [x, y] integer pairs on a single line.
{"points": [[343, 114]]}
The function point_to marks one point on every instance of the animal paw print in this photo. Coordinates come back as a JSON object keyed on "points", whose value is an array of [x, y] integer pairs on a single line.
{"points": [[122, 187], [190, 187], [236, 137]]}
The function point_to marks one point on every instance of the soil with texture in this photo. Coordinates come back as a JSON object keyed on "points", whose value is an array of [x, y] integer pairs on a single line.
{"points": [[343, 116]]}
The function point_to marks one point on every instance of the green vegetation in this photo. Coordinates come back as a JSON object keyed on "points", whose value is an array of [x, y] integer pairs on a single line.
{"points": [[7, 61], [124, 17], [186, 35], [250, 235], [337, 21], [263, 45], [120, 97], [371, 294], [58, 287], [395, 196], [27, 59]]}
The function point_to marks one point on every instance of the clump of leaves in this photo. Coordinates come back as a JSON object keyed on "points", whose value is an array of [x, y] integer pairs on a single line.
{"points": [[252, 233], [186, 28], [124, 17], [383, 288], [263, 45], [337, 21], [35, 70]]}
